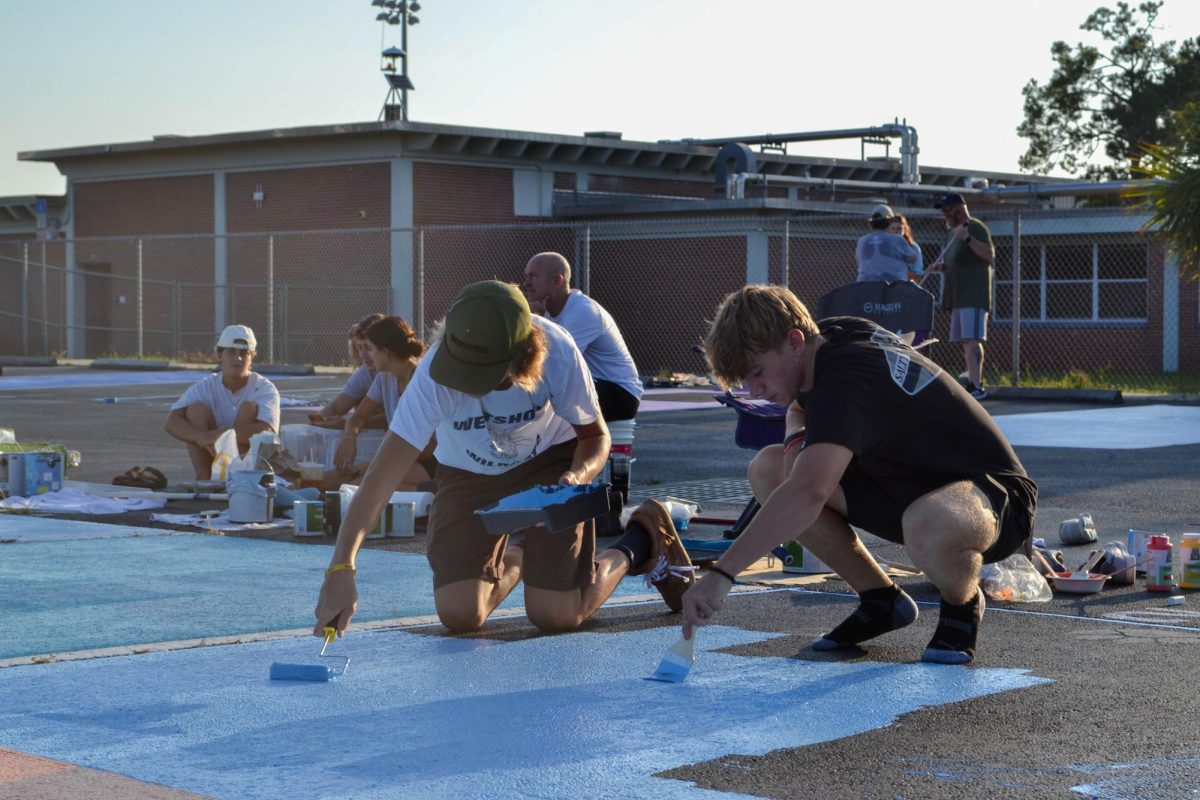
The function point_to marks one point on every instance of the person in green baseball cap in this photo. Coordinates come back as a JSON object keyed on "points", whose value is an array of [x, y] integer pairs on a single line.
{"points": [[513, 406]]}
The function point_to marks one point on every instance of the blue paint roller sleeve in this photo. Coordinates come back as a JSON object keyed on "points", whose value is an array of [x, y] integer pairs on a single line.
{"points": [[283, 671]]}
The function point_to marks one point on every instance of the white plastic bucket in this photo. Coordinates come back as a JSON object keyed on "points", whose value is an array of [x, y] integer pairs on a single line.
{"points": [[622, 436], [251, 496]]}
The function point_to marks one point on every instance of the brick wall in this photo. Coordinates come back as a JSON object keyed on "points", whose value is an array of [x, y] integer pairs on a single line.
{"points": [[146, 206], [310, 198]]}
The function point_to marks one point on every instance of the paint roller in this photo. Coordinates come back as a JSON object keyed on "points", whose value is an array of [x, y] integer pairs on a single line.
{"points": [[330, 671]]}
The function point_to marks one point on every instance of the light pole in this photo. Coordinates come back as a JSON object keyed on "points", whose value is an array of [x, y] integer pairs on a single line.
{"points": [[402, 13]]}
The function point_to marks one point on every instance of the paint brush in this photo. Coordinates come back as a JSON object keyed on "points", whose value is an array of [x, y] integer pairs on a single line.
{"points": [[677, 662], [283, 671]]}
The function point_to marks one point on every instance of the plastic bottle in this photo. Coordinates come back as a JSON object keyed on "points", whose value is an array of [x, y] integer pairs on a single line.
{"points": [[1189, 557], [1160, 571]]}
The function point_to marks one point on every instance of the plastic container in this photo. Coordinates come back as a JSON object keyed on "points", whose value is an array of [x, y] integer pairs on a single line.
{"points": [[1160, 569], [308, 517], [1136, 543], [251, 496], [1189, 561]]}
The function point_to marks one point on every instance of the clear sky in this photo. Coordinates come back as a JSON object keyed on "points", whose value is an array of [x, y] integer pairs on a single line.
{"points": [[125, 70]]}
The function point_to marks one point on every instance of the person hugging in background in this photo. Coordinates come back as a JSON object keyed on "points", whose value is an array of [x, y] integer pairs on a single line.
{"points": [[394, 351], [334, 414]]}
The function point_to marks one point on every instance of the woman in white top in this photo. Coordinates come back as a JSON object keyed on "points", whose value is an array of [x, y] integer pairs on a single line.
{"points": [[334, 414], [394, 351]]}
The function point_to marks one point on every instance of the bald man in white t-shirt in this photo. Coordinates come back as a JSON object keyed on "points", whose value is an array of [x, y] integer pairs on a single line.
{"points": [[233, 399], [547, 287]]}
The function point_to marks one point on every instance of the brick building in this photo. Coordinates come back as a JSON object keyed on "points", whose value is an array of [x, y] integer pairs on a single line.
{"points": [[300, 232]]}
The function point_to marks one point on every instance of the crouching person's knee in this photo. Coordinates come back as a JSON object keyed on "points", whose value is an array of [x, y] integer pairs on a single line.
{"points": [[766, 471], [460, 620], [554, 619]]}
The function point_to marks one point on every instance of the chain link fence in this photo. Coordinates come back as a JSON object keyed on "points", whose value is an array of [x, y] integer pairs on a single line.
{"points": [[1081, 298]]}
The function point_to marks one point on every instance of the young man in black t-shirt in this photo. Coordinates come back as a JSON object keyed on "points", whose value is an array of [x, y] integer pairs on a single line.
{"points": [[879, 437]]}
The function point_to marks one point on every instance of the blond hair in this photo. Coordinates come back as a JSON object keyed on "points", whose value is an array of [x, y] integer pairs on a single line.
{"points": [[749, 322]]}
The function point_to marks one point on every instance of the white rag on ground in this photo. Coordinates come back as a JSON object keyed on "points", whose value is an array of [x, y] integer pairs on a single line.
{"points": [[74, 501], [219, 522], [293, 402]]}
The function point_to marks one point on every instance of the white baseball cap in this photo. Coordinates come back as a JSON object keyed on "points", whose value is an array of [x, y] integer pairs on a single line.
{"points": [[882, 212], [238, 336]]}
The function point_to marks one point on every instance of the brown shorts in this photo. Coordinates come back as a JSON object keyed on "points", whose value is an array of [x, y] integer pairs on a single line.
{"points": [[460, 548]]}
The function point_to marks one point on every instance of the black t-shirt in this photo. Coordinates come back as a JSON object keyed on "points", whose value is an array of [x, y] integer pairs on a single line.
{"points": [[911, 427]]}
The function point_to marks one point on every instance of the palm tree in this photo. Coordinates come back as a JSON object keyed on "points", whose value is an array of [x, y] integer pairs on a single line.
{"points": [[1173, 192]]}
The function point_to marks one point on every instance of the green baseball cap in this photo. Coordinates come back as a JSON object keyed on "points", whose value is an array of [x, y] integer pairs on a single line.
{"points": [[486, 326]]}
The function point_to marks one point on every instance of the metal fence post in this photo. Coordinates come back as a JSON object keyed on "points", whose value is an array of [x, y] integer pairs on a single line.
{"points": [[419, 287], [140, 331], [271, 299], [783, 277], [585, 268], [1016, 312], [46, 306], [25, 301], [285, 327], [176, 311]]}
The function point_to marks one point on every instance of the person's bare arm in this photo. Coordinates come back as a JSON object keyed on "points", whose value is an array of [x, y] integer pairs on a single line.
{"points": [[591, 451], [347, 449], [339, 595], [793, 506], [178, 427]]}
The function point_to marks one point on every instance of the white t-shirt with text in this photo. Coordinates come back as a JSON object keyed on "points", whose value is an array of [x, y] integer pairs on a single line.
{"points": [[492, 434]]}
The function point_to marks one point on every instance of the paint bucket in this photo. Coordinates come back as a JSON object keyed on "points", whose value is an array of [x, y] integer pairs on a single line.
{"points": [[621, 432], [1160, 569], [1189, 556], [251, 496], [403, 519], [378, 529], [799, 559], [333, 511], [308, 518], [1136, 543], [1079, 530]]}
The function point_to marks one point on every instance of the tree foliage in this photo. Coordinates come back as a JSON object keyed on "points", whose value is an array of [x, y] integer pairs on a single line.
{"points": [[1112, 99], [1173, 192]]}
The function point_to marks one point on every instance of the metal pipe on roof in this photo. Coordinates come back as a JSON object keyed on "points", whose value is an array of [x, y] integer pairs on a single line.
{"points": [[1035, 190], [909, 171]]}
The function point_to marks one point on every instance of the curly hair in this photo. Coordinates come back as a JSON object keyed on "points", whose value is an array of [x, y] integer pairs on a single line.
{"points": [[750, 322]]}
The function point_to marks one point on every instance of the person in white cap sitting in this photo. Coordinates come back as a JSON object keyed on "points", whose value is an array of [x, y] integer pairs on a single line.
{"points": [[233, 399], [881, 255]]}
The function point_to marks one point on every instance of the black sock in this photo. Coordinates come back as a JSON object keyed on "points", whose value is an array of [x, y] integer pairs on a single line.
{"points": [[879, 611], [954, 639], [635, 544]]}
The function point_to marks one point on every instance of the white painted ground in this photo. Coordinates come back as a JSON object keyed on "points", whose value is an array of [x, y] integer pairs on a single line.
{"points": [[434, 717], [1116, 428]]}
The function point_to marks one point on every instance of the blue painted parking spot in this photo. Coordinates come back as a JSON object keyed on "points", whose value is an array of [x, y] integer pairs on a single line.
{"points": [[432, 717], [64, 596]]}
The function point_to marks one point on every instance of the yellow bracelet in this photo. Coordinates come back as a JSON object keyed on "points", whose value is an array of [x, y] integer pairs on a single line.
{"points": [[340, 567]]}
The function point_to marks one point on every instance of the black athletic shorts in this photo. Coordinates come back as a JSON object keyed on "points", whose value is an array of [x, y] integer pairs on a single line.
{"points": [[873, 508], [616, 404]]}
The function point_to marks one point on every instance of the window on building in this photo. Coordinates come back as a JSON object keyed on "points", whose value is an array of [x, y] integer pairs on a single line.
{"points": [[1074, 282]]}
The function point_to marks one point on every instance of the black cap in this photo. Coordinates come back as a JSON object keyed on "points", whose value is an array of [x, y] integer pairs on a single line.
{"points": [[947, 200]]}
